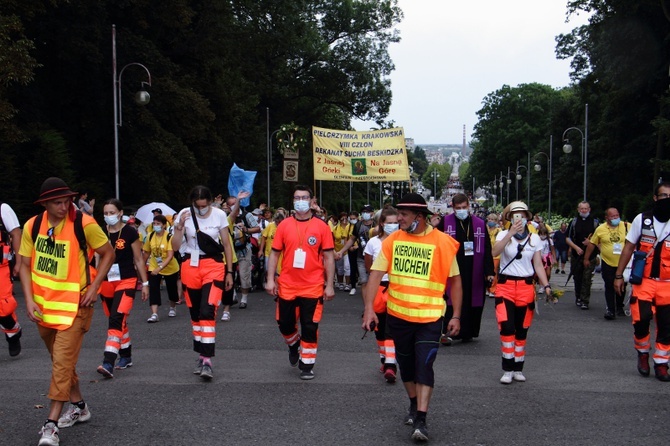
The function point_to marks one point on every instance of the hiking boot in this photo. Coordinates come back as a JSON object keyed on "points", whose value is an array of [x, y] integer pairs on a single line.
{"points": [[74, 415], [294, 354], [206, 372], [420, 431], [15, 344], [643, 363], [106, 370], [198, 367], [518, 376], [124, 363], [306, 375], [411, 416], [507, 378], [49, 434], [661, 371], [389, 375]]}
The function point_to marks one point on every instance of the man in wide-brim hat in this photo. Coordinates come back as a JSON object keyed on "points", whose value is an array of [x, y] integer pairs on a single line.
{"points": [[419, 261]]}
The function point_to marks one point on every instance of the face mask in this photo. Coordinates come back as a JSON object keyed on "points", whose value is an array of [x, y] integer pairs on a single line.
{"points": [[390, 228], [111, 220], [158, 228], [661, 210], [301, 206], [615, 221], [543, 237], [203, 211], [524, 221], [461, 214], [365, 216], [413, 225], [491, 224], [584, 214], [353, 221]]}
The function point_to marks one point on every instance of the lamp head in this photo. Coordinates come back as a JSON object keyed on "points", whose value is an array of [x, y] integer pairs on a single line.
{"points": [[567, 147], [518, 176], [142, 97], [537, 167]]}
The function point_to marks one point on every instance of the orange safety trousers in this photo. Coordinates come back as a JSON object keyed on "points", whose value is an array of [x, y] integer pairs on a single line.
{"points": [[515, 303], [308, 310], [117, 301], [385, 345], [651, 300], [204, 286], [9, 323]]}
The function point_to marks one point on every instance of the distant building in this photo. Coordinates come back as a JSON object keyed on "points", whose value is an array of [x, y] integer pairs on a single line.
{"points": [[409, 144]]}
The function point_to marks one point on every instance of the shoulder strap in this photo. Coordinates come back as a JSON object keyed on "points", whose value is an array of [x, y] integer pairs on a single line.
{"points": [[151, 236], [79, 232], [36, 226]]}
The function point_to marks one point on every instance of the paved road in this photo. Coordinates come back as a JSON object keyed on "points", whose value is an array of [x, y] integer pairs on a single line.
{"points": [[582, 388]]}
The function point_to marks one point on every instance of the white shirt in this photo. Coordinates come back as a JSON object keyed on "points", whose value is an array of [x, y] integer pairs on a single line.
{"points": [[212, 225], [519, 267], [373, 247], [9, 218], [635, 230]]}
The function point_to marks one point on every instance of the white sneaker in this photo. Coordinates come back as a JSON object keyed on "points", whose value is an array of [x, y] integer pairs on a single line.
{"points": [[172, 312], [518, 376], [353, 291], [225, 316], [74, 415], [507, 378], [49, 434], [153, 318]]}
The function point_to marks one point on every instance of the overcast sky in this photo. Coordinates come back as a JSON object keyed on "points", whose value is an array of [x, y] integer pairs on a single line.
{"points": [[455, 52]]}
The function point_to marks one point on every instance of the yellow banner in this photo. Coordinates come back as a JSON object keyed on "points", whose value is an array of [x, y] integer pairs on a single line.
{"points": [[375, 155]]}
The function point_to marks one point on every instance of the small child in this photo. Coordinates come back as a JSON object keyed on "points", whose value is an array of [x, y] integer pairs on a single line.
{"points": [[548, 252]]}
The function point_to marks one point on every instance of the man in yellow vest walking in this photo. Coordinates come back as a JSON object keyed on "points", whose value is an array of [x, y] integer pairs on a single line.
{"points": [[60, 288], [419, 261]]}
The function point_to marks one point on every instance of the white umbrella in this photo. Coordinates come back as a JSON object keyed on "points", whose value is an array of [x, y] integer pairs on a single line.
{"points": [[145, 213]]}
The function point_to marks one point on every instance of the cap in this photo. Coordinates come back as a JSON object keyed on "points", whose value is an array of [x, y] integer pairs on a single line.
{"points": [[52, 188], [159, 210], [413, 202], [257, 211], [367, 208]]}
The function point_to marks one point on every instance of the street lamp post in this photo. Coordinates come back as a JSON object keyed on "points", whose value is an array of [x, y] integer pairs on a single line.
{"points": [[567, 147], [435, 177], [538, 167], [518, 177], [142, 97], [508, 180]]}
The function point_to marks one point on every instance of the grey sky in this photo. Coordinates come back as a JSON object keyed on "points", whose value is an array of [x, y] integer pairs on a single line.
{"points": [[455, 52]]}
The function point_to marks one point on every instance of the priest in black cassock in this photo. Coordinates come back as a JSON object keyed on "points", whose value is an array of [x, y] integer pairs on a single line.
{"points": [[474, 261]]}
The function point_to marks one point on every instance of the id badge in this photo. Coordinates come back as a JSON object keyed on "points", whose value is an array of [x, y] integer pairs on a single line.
{"points": [[195, 258], [299, 258], [114, 273], [469, 248], [159, 259], [617, 248]]}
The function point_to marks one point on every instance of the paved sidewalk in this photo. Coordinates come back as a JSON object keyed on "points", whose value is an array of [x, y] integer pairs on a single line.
{"points": [[582, 388]]}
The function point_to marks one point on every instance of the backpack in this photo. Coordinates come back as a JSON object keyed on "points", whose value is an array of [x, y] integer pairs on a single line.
{"points": [[239, 238], [5, 239]]}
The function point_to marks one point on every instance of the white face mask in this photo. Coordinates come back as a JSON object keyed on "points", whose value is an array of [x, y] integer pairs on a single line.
{"points": [[111, 220], [390, 228], [461, 214], [301, 206], [203, 211], [353, 221], [158, 228], [366, 216]]}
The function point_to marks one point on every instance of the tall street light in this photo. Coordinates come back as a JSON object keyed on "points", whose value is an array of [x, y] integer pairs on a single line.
{"points": [[538, 167], [518, 177], [435, 177], [508, 180], [567, 147], [269, 149], [142, 97]]}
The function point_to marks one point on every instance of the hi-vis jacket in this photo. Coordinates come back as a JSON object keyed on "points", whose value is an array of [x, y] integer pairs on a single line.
{"points": [[418, 268], [647, 239]]}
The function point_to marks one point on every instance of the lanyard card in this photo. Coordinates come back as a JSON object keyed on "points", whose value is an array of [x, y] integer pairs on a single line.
{"points": [[299, 258], [195, 258], [469, 248], [617, 249]]}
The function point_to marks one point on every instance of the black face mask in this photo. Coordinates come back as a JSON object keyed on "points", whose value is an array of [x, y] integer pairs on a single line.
{"points": [[661, 209]]}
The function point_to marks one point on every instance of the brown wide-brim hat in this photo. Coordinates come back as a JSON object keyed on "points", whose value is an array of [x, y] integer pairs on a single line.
{"points": [[53, 188], [413, 202]]}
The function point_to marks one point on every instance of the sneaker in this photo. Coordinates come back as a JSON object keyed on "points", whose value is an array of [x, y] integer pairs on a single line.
{"points": [[609, 315], [347, 288], [621, 312], [14, 345], [540, 290], [507, 378], [643, 363], [74, 415], [411, 416], [153, 318], [578, 302], [206, 372], [172, 312], [389, 375], [307, 375], [340, 286], [198, 367], [557, 271], [225, 316], [49, 434], [106, 370], [661, 372], [419, 431], [445, 340], [518, 376], [294, 354], [562, 271], [243, 305], [124, 363], [584, 306], [353, 291]]}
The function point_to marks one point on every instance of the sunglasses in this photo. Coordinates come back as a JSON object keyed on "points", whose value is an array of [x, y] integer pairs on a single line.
{"points": [[519, 249]]}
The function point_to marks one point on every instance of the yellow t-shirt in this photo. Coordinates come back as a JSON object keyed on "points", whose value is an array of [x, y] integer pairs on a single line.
{"points": [[159, 247], [269, 235], [607, 239], [341, 235], [95, 238]]}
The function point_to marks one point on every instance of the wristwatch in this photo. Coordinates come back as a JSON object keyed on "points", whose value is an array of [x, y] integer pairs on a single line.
{"points": [[145, 283]]}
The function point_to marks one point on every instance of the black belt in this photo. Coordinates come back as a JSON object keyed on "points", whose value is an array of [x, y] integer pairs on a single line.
{"points": [[217, 257], [502, 278]]}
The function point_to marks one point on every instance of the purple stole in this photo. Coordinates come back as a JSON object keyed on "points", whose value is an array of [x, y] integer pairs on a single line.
{"points": [[479, 228]]}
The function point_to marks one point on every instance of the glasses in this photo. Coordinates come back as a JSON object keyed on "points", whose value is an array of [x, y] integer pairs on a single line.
{"points": [[302, 198], [662, 196], [52, 238]]}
